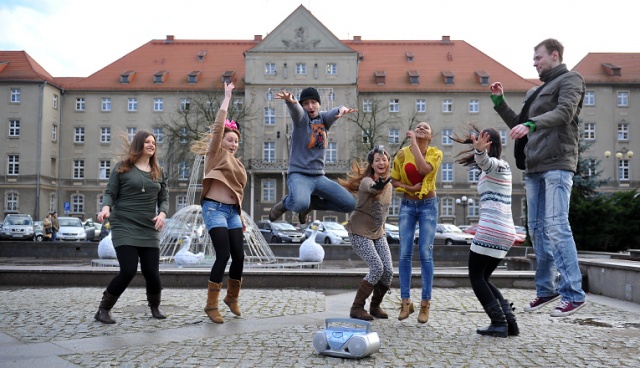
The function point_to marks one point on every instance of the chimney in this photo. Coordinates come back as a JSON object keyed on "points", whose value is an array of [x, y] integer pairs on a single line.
{"points": [[170, 38], [257, 38], [446, 39], [357, 38]]}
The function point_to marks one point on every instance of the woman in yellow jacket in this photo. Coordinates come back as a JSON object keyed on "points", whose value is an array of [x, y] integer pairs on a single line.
{"points": [[414, 173]]}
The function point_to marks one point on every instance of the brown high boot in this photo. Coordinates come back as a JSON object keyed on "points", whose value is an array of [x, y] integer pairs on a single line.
{"points": [[233, 290], [154, 304], [379, 290], [423, 316], [357, 309], [103, 314], [212, 303]]}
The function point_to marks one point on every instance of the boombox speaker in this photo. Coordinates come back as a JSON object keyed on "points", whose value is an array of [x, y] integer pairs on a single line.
{"points": [[346, 342]]}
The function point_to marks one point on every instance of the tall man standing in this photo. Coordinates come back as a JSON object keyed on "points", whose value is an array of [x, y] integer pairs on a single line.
{"points": [[550, 120]]}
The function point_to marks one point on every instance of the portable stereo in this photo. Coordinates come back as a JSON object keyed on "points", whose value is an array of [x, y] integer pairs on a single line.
{"points": [[346, 342]]}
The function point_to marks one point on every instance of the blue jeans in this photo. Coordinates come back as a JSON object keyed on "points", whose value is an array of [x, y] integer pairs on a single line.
{"points": [[317, 192], [548, 195], [425, 213]]}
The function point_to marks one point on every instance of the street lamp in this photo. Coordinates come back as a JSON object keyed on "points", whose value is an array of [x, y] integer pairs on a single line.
{"points": [[464, 201], [623, 154]]}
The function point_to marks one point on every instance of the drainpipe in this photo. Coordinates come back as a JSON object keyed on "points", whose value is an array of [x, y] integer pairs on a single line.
{"points": [[39, 150], [58, 158]]}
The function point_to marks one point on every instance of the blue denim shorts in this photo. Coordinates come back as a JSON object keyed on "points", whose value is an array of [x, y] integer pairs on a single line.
{"points": [[216, 214]]}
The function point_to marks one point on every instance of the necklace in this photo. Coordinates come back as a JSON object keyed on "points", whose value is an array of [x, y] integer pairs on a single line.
{"points": [[141, 177]]}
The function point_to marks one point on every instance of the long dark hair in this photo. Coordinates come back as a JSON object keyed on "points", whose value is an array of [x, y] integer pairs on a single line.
{"points": [[133, 151], [361, 170], [467, 157]]}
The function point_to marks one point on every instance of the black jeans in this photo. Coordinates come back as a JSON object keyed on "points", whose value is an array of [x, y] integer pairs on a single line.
{"points": [[480, 269], [128, 256]]}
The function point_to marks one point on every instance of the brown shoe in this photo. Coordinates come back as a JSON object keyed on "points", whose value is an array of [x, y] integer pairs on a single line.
{"points": [[233, 290], [357, 309], [405, 310], [302, 216], [423, 316], [277, 211], [211, 309]]}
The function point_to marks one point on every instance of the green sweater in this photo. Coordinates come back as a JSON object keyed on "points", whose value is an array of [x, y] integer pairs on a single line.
{"points": [[132, 209]]}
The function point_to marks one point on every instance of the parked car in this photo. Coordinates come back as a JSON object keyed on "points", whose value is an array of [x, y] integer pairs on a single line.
{"points": [[464, 227], [92, 229], [71, 228], [280, 232], [38, 229], [17, 226], [330, 233], [521, 233], [449, 234], [393, 233]]}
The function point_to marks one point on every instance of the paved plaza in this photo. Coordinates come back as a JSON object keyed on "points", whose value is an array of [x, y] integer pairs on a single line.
{"points": [[55, 328]]}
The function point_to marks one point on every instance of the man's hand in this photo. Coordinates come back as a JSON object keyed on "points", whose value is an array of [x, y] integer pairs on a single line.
{"points": [[284, 95], [380, 183], [344, 111]]}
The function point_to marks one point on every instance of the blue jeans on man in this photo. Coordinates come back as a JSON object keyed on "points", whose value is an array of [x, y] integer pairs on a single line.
{"points": [[318, 193]]}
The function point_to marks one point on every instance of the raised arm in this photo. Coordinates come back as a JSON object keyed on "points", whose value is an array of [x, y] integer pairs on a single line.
{"points": [[218, 126]]}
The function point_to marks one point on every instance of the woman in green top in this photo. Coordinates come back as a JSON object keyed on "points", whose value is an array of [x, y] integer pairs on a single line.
{"points": [[136, 204]]}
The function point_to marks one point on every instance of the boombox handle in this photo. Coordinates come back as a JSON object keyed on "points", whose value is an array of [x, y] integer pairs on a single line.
{"points": [[348, 320]]}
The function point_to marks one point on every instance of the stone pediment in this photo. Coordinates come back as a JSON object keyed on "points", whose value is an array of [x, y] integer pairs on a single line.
{"points": [[301, 32]]}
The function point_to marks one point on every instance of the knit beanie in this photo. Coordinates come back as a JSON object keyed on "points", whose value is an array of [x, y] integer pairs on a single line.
{"points": [[308, 93]]}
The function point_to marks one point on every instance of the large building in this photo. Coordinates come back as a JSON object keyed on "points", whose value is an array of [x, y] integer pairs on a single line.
{"points": [[62, 133]]}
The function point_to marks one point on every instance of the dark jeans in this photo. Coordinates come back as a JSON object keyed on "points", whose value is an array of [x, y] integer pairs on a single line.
{"points": [[480, 269], [128, 257]]}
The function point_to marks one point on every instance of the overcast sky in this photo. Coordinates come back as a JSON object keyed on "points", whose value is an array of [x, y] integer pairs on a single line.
{"points": [[75, 38]]}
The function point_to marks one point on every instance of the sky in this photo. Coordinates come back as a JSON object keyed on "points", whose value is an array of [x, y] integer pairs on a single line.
{"points": [[76, 38]]}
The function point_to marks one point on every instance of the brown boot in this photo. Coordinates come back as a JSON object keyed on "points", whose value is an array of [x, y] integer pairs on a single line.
{"points": [[276, 211], [423, 316], [357, 309], [379, 290], [302, 216], [104, 310], [233, 290], [405, 310], [212, 303], [154, 304]]}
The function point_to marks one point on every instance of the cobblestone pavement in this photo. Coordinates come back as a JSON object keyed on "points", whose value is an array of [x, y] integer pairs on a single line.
{"points": [[55, 328]]}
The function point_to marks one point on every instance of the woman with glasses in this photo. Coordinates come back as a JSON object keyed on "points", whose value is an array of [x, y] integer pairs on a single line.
{"points": [[367, 232], [414, 174]]}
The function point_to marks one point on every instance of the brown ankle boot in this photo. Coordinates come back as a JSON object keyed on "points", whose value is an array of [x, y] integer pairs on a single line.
{"points": [[212, 303], [405, 310], [357, 309], [423, 316], [379, 290], [154, 304], [233, 290], [104, 310]]}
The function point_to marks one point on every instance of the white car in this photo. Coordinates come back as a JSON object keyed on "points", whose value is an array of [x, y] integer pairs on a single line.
{"points": [[330, 233], [448, 234], [71, 228]]}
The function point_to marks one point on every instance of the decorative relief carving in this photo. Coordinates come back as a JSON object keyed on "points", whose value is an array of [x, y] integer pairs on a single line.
{"points": [[300, 40]]}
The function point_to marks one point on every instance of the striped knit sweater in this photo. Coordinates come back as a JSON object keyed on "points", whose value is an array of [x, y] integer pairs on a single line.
{"points": [[495, 234]]}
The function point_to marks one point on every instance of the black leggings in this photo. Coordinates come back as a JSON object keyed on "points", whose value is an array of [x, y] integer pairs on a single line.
{"points": [[227, 243], [128, 256], [480, 269]]}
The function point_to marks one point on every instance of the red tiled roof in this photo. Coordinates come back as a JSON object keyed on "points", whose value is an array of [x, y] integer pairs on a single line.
{"points": [[20, 67], [432, 60], [592, 69]]}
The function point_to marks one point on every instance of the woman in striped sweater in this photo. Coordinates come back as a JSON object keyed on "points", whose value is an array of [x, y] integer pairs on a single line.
{"points": [[495, 233]]}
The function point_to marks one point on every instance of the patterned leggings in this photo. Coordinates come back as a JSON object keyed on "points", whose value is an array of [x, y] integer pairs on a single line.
{"points": [[377, 255]]}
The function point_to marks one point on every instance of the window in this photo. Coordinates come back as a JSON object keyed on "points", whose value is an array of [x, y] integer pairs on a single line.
{"points": [[269, 151], [269, 96], [184, 135], [367, 105], [474, 106], [15, 95], [106, 104], [13, 165], [54, 133], [158, 132], [421, 105], [591, 167], [503, 136], [623, 99], [99, 201], [394, 105], [184, 104], [132, 104], [447, 105], [78, 135], [80, 104], [105, 169], [237, 104], [14, 128], [623, 169], [446, 137], [131, 132], [332, 96], [268, 190], [589, 98], [181, 202], [11, 201], [446, 207], [301, 68], [474, 208], [332, 69], [105, 135], [589, 133], [270, 68], [269, 116], [365, 136], [55, 102], [53, 202], [474, 175], [447, 172], [183, 170], [623, 132], [394, 136], [158, 104], [77, 203], [331, 153], [78, 169]]}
